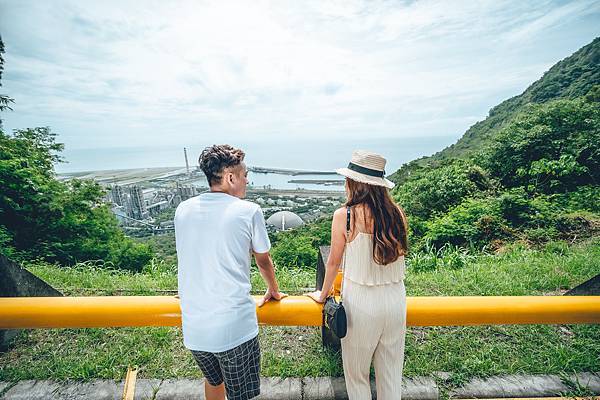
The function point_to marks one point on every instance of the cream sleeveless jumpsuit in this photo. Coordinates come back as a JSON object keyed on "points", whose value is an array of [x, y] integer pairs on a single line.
{"points": [[374, 297]]}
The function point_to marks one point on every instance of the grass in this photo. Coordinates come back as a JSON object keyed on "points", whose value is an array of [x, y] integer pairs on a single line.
{"points": [[516, 271], [95, 279], [296, 351], [157, 278]]}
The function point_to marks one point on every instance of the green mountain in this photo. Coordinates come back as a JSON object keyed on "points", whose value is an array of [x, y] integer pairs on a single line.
{"points": [[570, 78]]}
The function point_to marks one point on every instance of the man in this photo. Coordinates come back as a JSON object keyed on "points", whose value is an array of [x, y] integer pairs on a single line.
{"points": [[215, 234]]}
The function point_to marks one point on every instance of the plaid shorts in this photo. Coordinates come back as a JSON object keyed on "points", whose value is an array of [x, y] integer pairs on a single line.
{"points": [[239, 368]]}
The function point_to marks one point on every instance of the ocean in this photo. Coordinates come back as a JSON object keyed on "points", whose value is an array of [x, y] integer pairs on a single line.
{"points": [[324, 155]]}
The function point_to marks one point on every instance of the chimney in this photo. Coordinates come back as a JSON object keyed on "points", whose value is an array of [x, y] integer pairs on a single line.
{"points": [[187, 164]]}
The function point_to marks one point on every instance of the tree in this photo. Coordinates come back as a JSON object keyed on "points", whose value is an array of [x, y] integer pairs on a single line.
{"points": [[551, 148], [5, 101], [42, 217]]}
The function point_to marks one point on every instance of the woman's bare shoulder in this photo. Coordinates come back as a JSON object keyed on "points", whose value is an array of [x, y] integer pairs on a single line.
{"points": [[339, 216], [339, 212]]}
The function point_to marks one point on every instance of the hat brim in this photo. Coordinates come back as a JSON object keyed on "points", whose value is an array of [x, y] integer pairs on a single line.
{"points": [[369, 180]]}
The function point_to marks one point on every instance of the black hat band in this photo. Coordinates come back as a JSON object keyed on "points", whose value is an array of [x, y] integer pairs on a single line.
{"points": [[366, 171]]}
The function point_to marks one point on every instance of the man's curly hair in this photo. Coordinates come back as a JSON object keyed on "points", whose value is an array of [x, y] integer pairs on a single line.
{"points": [[215, 158]]}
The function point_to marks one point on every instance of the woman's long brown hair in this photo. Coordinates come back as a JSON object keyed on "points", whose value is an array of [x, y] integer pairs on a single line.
{"points": [[390, 227]]}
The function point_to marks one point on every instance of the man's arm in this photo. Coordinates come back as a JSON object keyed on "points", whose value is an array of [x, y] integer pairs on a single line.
{"points": [[260, 247], [267, 271]]}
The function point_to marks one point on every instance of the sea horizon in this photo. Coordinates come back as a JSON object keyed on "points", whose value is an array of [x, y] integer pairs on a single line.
{"points": [[326, 155]]}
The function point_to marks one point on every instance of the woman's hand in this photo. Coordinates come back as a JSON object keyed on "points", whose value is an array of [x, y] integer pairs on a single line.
{"points": [[317, 296]]}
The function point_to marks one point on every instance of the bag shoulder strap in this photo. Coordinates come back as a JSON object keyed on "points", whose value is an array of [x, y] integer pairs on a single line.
{"points": [[347, 221], [345, 253]]}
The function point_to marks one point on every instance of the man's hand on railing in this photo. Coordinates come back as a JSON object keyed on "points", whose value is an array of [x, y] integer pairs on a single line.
{"points": [[271, 294]]}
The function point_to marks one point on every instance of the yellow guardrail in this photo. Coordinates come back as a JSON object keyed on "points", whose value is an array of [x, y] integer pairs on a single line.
{"points": [[120, 311]]}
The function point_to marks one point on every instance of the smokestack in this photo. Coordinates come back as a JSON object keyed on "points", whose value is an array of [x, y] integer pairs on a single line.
{"points": [[187, 164]]}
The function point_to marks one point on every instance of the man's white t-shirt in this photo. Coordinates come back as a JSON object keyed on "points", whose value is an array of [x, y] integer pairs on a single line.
{"points": [[215, 233]]}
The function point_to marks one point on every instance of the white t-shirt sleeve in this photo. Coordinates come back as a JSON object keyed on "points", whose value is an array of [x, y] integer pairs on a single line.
{"points": [[260, 237]]}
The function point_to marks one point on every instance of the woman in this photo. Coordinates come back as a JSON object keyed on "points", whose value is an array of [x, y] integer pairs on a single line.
{"points": [[373, 289]]}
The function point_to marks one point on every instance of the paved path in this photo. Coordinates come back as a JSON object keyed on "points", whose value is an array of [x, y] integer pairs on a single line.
{"points": [[310, 388]]}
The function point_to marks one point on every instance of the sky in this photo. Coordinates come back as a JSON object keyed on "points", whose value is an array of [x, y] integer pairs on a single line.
{"points": [[116, 74]]}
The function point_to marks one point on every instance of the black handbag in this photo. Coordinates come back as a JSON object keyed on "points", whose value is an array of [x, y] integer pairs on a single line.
{"points": [[334, 314]]}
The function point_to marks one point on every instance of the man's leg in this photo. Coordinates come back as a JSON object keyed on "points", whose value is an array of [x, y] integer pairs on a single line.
{"points": [[241, 370], [214, 392], [214, 387]]}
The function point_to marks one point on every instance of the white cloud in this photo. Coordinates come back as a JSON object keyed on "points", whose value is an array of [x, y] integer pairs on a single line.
{"points": [[126, 72], [552, 18]]}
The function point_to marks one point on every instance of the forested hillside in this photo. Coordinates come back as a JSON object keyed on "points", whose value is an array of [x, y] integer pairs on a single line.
{"points": [[568, 79], [530, 171]]}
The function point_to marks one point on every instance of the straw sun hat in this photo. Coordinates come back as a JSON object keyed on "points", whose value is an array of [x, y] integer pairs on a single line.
{"points": [[366, 167]]}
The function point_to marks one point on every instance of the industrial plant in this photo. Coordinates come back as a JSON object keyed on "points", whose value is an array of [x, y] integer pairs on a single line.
{"points": [[144, 199]]}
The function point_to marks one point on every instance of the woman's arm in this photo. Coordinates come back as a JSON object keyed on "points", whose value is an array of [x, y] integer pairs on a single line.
{"points": [[338, 242]]}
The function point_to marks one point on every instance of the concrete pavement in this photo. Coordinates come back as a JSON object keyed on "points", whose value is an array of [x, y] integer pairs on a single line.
{"points": [[326, 388]]}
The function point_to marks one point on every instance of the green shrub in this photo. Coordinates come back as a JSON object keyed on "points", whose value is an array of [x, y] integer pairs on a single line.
{"points": [[540, 235], [474, 222], [436, 190], [509, 215], [297, 251], [583, 198], [130, 255], [417, 227], [521, 210]]}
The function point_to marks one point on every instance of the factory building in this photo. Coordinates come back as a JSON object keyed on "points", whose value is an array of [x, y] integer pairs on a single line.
{"points": [[117, 196], [137, 205]]}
